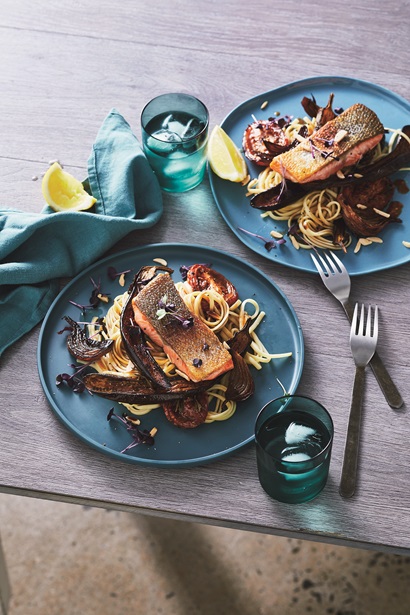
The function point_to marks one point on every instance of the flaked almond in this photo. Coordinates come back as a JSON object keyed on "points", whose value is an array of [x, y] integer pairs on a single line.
{"points": [[160, 261], [406, 244], [361, 206], [358, 246], [294, 242], [357, 175], [375, 239], [133, 420], [340, 135], [121, 279], [153, 432], [276, 234], [365, 241], [340, 175], [381, 213], [264, 104]]}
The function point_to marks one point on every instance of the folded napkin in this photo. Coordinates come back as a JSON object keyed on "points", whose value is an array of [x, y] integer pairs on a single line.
{"points": [[36, 249]]}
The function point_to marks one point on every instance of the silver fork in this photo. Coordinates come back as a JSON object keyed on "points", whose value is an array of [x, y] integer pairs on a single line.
{"points": [[363, 344], [337, 280]]}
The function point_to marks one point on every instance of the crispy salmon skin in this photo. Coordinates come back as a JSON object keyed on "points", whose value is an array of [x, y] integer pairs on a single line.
{"points": [[195, 350], [341, 142]]}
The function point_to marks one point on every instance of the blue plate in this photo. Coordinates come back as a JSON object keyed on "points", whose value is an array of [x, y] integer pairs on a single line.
{"points": [[392, 110], [85, 415]]}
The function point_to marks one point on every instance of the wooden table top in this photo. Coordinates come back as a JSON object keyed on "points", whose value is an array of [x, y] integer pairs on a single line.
{"points": [[62, 69]]}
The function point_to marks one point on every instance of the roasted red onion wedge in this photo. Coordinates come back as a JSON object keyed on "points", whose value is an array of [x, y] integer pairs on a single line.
{"points": [[240, 382], [84, 348]]}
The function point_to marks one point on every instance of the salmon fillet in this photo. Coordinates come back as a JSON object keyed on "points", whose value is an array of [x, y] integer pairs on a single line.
{"points": [[195, 350], [339, 143]]}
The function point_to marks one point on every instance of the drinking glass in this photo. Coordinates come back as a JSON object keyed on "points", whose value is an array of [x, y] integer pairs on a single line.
{"points": [[294, 436], [174, 139]]}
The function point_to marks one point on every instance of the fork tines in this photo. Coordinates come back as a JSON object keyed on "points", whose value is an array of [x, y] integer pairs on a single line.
{"points": [[358, 324], [333, 264]]}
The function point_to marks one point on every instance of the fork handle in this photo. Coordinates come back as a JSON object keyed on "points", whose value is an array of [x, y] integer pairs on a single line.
{"points": [[351, 454], [390, 391]]}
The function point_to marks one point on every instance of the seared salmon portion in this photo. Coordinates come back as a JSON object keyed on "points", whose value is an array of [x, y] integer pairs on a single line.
{"points": [[338, 144], [193, 348]]}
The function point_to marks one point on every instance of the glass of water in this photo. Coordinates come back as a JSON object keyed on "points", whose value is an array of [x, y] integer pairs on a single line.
{"points": [[174, 138], [294, 436]]}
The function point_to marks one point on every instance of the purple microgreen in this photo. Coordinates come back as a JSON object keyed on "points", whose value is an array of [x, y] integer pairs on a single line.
{"points": [[283, 121], [314, 149], [164, 308], [97, 295], [73, 381], [197, 362], [338, 110], [139, 436], [270, 244], [184, 272], [294, 232], [283, 184], [113, 273]]}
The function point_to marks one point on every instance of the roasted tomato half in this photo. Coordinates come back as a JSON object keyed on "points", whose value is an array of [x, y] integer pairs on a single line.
{"points": [[201, 277], [264, 140]]}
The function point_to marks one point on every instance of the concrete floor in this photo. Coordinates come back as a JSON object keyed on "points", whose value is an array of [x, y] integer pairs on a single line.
{"points": [[71, 560]]}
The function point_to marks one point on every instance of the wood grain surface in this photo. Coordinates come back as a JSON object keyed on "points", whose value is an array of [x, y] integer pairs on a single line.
{"points": [[62, 68]]}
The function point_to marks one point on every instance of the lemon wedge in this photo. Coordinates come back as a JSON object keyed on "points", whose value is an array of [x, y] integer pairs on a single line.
{"points": [[63, 192], [224, 157]]}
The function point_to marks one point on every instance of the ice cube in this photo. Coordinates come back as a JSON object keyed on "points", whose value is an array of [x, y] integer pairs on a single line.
{"points": [[295, 457], [296, 433], [163, 142], [192, 129], [168, 119]]}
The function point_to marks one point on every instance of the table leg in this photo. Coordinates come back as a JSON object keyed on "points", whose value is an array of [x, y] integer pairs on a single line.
{"points": [[4, 584]]}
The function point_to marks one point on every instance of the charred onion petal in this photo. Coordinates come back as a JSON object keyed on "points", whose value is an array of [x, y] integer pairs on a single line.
{"points": [[131, 334], [325, 114], [310, 106], [275, 148], [276, 198], [240, 381], [322, 114], [82, 347], [140, 390], [202, 277], [241, 339]]}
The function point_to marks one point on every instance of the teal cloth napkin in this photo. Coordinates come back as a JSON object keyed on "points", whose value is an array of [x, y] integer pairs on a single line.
{"points": [[36, 249]]}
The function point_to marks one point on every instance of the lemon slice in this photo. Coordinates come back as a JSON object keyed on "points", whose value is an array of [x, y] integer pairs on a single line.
{"points": [[63, 192], [224, 157]]}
